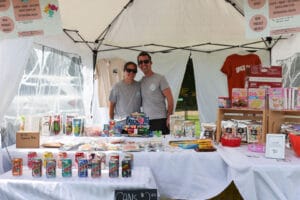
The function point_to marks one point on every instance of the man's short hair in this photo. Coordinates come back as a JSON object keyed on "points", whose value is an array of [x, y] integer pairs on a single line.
{"points": [[143, 53]]}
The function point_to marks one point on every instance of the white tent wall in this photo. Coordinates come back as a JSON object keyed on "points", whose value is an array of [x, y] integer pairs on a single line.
{"points": [[286, 48], [64, 43], [211, 82], [13, 58]]}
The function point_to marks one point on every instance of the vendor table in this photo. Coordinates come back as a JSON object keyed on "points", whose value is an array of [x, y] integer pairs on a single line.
{"points": [[73, 188], [179, 174], [258, 177]]}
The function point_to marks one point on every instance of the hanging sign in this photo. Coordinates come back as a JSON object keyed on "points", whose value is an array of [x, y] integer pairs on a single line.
{"points": [[23, 18], [271, 17]]}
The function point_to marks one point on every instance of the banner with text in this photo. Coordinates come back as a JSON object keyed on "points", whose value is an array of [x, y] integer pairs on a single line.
{"points": [[271, 17], [23, 18]]}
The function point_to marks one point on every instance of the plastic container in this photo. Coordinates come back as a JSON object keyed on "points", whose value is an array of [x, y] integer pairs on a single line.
{"points": [[254, 147], [295, 142], [231, 142], [224, 102]]}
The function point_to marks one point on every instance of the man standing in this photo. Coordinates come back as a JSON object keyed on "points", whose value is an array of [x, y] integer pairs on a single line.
{"points": [[155, 90], [125, 96]]}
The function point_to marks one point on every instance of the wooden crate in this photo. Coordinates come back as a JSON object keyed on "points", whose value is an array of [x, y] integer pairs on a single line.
{"points": [[241, 114], [278, 117]]}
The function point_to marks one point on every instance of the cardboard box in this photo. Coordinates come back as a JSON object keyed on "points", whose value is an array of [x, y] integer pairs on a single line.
{"points": [[256, 84], [258, 71], [27, 139]]}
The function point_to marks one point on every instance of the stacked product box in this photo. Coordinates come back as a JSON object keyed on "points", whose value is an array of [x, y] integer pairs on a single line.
{"points": [[137, 124], [253, 98], [264, 77]]}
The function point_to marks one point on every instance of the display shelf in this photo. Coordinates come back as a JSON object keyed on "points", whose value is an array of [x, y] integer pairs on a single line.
{"points": [[278, 117], [241, 114]]}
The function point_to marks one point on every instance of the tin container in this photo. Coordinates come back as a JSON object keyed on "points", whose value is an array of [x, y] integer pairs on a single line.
{"points": [[50, 168], [115, 156], [30, 156], [91, 156], [82, 167], [66, 167], [130, 157], [126, 168], [17, 166], [61, 155], [101, 156], [78, 155], [113, 168], [37, 165], [47, 155], [96, 168]]}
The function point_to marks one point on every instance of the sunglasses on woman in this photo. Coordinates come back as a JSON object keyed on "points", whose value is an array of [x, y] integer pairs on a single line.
{"points": [[131, 70]]}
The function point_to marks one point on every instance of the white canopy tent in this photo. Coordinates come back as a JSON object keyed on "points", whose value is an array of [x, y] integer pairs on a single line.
{"points": [[171, 29]]}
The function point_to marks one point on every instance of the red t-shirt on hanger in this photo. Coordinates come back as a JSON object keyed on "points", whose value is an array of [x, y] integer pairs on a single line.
{"points": [[235, 67]]}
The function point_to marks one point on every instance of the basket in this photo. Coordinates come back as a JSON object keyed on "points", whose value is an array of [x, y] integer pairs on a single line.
{"points": [[231, 142], [295, 142]]}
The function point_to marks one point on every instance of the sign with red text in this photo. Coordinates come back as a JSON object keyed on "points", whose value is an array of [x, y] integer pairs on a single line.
{"points": [[23, 18], [271, 17]]}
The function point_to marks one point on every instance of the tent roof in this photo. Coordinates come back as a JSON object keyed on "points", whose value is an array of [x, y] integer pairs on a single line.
{"points": [[169, 24]]}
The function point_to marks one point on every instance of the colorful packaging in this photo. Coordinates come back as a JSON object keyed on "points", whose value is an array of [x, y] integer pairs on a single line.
{"points": [[96, 168], [66, 170], [17, 167], [239, 98], [126, 168], [77, 126], [47, 155], [50, 168], [113, 168], [82, 167], [256, 98], [61, 155], [37, 164], [30, 156]]}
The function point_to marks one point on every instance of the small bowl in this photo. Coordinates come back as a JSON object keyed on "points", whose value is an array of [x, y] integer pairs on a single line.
{"points": [[231, 142]]}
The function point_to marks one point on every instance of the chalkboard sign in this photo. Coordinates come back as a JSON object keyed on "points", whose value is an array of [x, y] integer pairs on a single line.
{"points": [[136, 194]]}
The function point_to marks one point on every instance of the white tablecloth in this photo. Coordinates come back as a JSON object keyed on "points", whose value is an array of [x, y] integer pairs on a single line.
{"points": [[259, 178], [183, 174], [26, 187]]}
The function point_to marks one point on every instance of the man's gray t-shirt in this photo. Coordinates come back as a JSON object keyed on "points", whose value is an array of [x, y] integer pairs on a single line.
{"points": [[153, 100], [127, 98]]}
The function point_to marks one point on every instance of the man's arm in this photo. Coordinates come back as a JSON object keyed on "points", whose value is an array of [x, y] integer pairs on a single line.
{"points": [[111, 109], [168, 94]]}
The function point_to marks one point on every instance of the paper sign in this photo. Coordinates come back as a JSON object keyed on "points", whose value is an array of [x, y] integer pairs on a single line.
{"points": [[272, 17], [275, 146], [23, 18]]}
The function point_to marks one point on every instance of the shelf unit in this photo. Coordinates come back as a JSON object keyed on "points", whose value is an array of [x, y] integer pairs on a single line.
{"points": [[241, 114], [278, 117]]}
